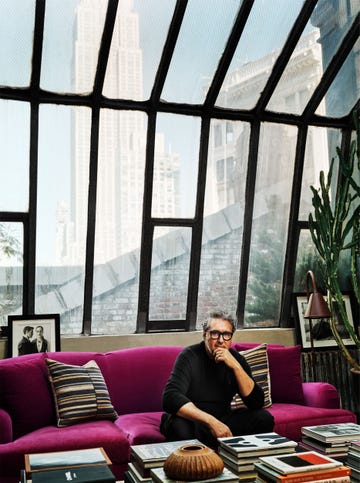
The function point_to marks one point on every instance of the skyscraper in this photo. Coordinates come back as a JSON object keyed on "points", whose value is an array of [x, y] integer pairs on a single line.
{"points": [[122, 138]]}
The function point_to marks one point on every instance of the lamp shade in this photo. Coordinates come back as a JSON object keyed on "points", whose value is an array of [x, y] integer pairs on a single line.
{"points": [[316, 308]]}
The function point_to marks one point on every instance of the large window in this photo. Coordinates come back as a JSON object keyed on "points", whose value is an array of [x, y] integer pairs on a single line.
{"points": [[156, 157]]}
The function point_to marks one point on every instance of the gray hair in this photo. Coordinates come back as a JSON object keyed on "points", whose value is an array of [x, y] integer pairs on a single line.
{"points": [[219, 315]]}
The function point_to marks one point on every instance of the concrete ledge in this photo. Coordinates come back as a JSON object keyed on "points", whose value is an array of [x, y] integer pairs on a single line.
{"points": [[103, 343]]}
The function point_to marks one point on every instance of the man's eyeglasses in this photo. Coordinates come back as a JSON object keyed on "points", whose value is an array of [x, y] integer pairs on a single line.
{"points": [[216, 334]]}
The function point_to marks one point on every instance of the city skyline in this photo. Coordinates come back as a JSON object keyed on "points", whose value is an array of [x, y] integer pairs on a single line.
{"points": [[46, 247]]}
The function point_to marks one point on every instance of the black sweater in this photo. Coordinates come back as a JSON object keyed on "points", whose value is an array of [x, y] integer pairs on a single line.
{"points": [[209, 385]]}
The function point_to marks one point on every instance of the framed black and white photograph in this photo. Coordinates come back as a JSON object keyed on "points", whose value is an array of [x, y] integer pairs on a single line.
{"points": [[29, 334], [322, 335]]}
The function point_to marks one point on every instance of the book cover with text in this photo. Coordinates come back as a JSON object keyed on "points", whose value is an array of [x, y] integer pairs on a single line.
{"points": [[65, 459], [157, 452], [297, 462], [84, 474], [255, 442], [159, 476], [302, 476], [333, 432]]}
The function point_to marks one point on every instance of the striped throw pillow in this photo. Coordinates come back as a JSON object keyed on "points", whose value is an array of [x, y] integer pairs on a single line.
{"points": [[80, 393], [257, 359]]}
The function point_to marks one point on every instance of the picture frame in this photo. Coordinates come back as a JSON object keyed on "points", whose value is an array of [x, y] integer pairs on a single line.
{"points": [[25, 335], [322, 335]]}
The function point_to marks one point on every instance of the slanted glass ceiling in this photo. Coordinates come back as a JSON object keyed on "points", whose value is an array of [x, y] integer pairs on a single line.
{"points": [[156, 157]]}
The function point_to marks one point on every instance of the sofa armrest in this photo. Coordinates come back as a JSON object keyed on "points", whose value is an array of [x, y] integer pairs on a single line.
{"points": [[321, 395], [6, 431]]}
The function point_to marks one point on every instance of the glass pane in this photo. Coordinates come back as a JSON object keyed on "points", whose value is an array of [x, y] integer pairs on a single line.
{"points": [[14, 155], [72, 36], [316, 48], [344, 91], [307, 259], [227, 165], [120, 183], [16, 38], [320, 149], [170, 273], [118, 219], [301, 76], [270, 224], [334, 22], [201, 41], [224, 212], [64, 136], [115, 295], [11, 270], [220, 262], [264, 35], [135, 50], [175, 166]]}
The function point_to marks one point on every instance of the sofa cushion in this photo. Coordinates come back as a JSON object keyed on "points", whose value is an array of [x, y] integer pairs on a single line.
{"points": [[25, 393], [257, 359], [124, 372], [74, 358], [289, 418], [285, 374], [90, 434], [80, 393], [141, 428]]}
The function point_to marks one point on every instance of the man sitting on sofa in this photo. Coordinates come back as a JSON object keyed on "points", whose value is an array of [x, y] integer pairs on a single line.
{"points": [[204, 379]]}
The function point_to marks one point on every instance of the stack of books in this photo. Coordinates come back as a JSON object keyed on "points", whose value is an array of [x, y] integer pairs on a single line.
{"points": [[240, 453], [299, 468], [353, 461], [330, 439], [158, 476], [144, 457], [83, 466]]}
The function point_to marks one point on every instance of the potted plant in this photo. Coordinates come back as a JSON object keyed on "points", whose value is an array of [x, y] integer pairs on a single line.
{"points": [[335, 229]]}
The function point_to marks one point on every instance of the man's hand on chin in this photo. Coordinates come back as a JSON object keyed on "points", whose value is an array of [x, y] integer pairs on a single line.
{"points": [[221, 354]]}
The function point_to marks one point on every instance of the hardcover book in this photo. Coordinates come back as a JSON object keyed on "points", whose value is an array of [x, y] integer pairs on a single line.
{"points": [[137, 475], [151, 455], [344, 432], [158, 475], [65, 459], [246, 465], [237, 461], [297, 462], [301, 477], [339, 479], [238, 445], [310, 444], [353, 460], [355, 446], [84, 474], [142, 471], [129, 477], [254, 454], [247, 477]]}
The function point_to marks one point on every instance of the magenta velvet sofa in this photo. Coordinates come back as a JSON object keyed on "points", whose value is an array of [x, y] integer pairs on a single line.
{"points": [[135, 379]]}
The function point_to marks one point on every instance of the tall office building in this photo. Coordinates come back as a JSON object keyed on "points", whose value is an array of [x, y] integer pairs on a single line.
{"points": [[229, 141], [122, 140]]}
